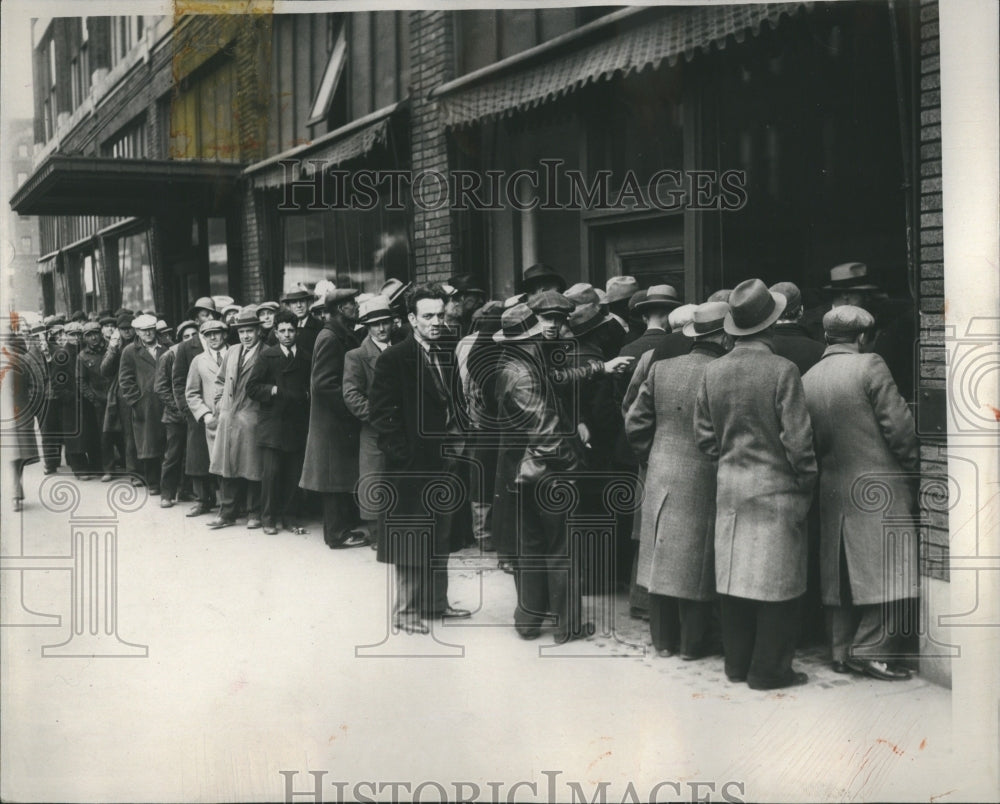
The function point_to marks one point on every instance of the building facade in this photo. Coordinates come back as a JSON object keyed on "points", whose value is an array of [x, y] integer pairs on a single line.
{"points": [[239, 155], [21, 290]]}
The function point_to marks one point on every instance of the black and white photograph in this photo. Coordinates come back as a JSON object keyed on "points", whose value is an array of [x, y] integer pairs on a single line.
{"points": [[499, 401]]}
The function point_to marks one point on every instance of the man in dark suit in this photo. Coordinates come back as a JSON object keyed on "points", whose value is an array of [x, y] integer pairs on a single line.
{"points": [[298, 299], [135, 382], [279, 381], [413, 412], [196, 457], [791, 340]]}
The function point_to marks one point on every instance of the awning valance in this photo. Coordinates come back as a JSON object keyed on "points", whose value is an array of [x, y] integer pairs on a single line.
{"points": [[348, 142], [621, 43], [88, 185]]}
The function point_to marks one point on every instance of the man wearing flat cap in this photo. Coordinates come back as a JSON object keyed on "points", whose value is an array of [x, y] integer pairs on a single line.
{"points": [[862, 427], [174, 425], [265, 313], [298, 300], [118, 414], [751, 417], [331, 459], [677, 532], [135, 379], [196, 457], [538, 438]]}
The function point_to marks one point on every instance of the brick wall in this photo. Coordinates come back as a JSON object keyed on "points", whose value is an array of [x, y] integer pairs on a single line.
{"points": [[931, 291], [432, 49]]}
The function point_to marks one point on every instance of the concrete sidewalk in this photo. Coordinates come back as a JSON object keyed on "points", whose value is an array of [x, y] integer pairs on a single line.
{"points": [[270, 657]]}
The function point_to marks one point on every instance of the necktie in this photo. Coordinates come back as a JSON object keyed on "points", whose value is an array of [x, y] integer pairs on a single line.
{"points": [[218, 358]]}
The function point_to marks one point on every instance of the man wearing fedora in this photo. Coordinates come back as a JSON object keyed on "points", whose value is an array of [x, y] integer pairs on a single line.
{"points": [[541, 277], [751, 417], [395, 291], [620, 292], [538, 438], [677, 533], [297, 299], [468, 297], [236, 455], [412, 408], [862, 427], [135, 379], [330, 465], [279, 381], [791, 339], [196, 456], [359, 370]]}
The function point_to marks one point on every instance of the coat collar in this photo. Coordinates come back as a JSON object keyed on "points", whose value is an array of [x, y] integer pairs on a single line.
{"points": [[754, 344], [841, 349]]}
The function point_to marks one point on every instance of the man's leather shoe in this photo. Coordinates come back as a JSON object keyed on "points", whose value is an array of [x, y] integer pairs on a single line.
{"points": [[528, 631], [216, 524], [794, 680], [877, 669], [253, 523], [107, 477], [154, 491], [451, 613], [199, 510], [165, 503], [840, 667], [270, 530], [412, 626]]}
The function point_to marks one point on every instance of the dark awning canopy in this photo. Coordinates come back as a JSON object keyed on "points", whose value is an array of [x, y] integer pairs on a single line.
{"points": [[623, 42], [87, 185]]}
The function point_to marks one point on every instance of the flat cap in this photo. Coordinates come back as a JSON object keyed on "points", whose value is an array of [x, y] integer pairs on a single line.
{"points": [[551, 302], [212, 325], [582, 293], [144, 322], [185, 325], [124, 321], [91, 326], [847, 320], [268, 305], [621, 288], [791, 292], [681, 316]]}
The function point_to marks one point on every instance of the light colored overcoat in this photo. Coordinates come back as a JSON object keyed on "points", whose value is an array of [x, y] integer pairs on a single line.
{"points": [[359, 370], [676, 542], [200, 390], [751, 415], [236, 452], [869, 462]]}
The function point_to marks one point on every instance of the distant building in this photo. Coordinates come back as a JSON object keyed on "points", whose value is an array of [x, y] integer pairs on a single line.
{"points": [[21, 290]]}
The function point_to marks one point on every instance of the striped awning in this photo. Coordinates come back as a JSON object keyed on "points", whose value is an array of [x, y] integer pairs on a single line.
{"points": [[621, 43], [355, 139]]}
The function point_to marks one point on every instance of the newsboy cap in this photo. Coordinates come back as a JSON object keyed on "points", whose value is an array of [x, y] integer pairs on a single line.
{"points": [[91, 326], [620, 288], [144, 322], [212, 325], [268, 305], [582, 293], [549, 302], [847, 320], [791, 292], [124, 321], [339, 296], [183, 326]]}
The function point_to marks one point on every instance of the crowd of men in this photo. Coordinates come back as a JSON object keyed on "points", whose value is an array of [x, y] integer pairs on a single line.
{"points": [[745, 431]]}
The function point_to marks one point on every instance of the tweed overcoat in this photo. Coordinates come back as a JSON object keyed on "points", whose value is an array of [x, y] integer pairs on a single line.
{"points": [[163, 386], [135, 381], [677, 537], [236, 452], [201, 395], [359, 371], [331, 461], [751, 415], [863, 426]]}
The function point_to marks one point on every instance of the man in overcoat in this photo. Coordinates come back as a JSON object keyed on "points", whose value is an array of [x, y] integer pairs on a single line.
{"points": [[201, 395], [135, 379], [411, 409], [359, 370], [117, 414], [751, 416], [196, 457], [174, 426], [862, 427], [279, 381], [236, 454], [330, 466], [298, 300], [93, 390], [539, 438]]}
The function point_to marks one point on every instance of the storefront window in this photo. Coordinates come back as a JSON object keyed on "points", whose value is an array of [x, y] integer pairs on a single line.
{"points": [[136, 271], [218, 257]]}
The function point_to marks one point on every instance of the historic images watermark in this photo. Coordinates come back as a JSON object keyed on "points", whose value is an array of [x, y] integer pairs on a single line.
{"points": [[552, 789], [315, 185]]}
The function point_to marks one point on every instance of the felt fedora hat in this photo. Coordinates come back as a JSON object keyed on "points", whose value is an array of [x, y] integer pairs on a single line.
{"points": [[658, 296], [375, 309], [247, 318], [753, 308], [540, 273], [791, 292], [708, 318], [204, 303], [297, 293], [586, 318]]}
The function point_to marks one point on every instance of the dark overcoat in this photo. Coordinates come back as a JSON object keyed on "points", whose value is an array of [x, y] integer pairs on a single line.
{"points": [[236, 452], [359, 370], [331, 459], [677, 537], [284, 413], [110, 364], [409, 409], [135, 378], [196, 457], [862, 427], [163, 386], [22, 386], [751, 415], [793, 342]]}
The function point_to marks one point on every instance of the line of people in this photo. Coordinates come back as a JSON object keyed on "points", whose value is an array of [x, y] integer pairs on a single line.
{"points": [[725, 412]]}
